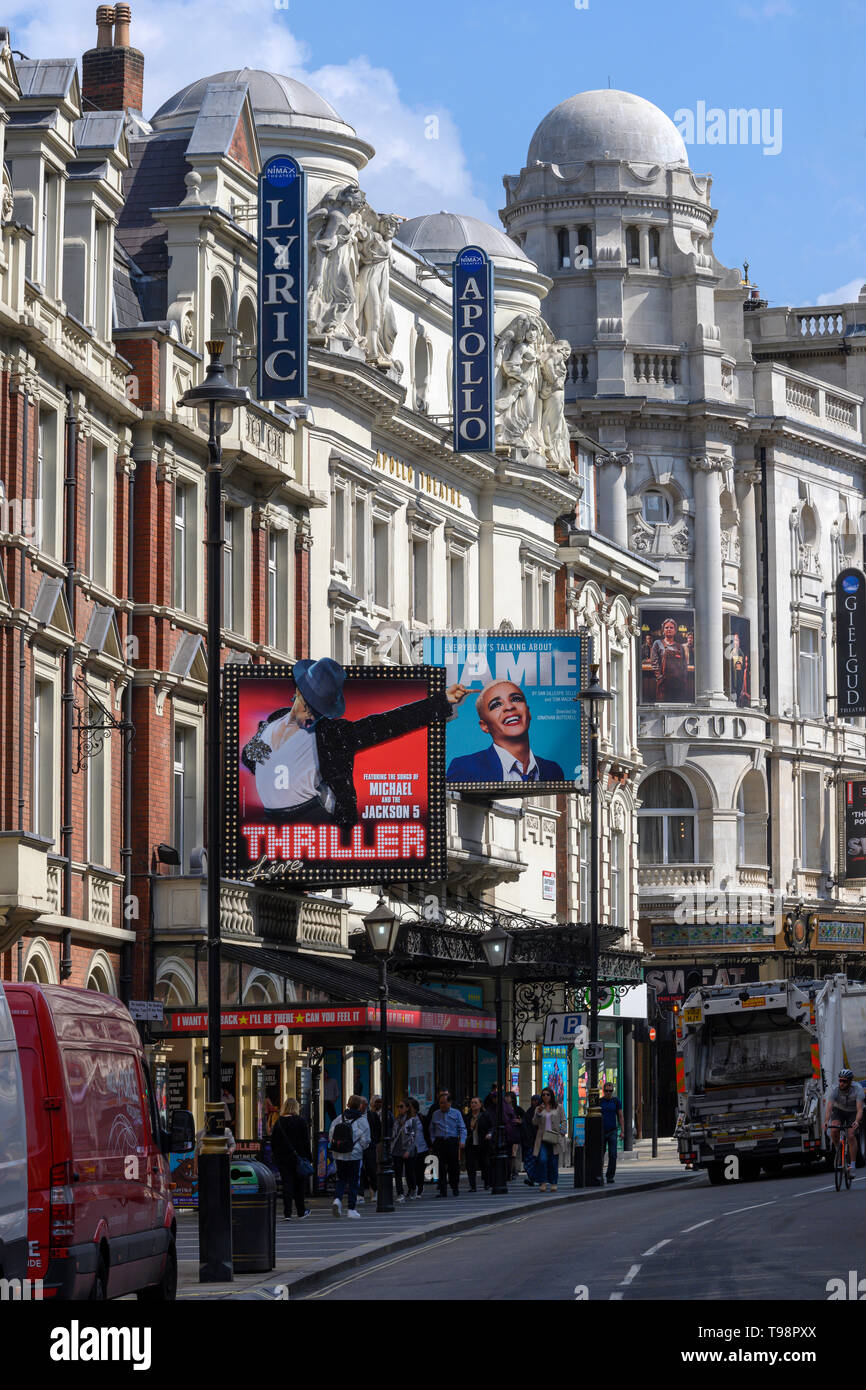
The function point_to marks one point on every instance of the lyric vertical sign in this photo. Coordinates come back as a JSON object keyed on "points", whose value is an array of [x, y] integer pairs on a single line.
{"points": [[282, 270], [851, 644], [472, 351]]}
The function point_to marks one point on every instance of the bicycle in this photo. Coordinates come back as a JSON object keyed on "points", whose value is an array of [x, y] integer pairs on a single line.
{"points": [[840, 1163]]}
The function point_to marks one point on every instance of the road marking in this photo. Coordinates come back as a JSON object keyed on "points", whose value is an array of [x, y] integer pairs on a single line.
{"points": [[384, 1265], [698, 1225], [628, 1278], [615, 1295], [754, 1207], [653, 1248], [810, 1192]]}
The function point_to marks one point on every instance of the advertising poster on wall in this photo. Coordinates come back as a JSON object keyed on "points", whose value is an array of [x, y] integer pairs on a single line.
{"points": [[667, 656], [421, 1059], [738, 660], [266, 1090], [361, 1074], [855, 829], [486, 1072], [518, 730], [228, 1073], [554, 1071], [333, 774], [332, 1083]]}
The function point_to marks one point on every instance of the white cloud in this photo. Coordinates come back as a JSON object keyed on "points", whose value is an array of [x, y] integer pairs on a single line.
{"points": [[181, 41], [846, 294]]}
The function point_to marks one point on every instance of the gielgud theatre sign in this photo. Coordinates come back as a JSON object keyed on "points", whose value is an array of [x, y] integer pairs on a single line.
{"points": [[335, 775]]}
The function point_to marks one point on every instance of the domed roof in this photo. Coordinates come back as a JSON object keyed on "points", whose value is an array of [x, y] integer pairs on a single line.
{"points": [[607, 125], [271, 94], [438, 236]]}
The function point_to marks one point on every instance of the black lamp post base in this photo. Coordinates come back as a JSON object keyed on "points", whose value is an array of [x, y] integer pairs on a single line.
{"points": [[385, 1179], [214, 1219], [594, 1149]]}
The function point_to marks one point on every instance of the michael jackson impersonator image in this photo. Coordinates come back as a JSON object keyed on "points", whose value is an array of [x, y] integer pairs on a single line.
{"points": [[302, 757]]}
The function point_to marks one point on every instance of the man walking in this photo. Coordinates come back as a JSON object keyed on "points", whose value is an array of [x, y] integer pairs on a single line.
{"points": [[611, 1116], [448, 1133]]}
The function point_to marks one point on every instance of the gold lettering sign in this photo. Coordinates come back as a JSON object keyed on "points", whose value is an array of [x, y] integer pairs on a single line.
{"points": [[426, 482]]}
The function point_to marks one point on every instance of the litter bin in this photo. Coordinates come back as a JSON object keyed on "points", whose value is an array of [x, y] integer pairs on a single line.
{"points": [[254, 1217]]}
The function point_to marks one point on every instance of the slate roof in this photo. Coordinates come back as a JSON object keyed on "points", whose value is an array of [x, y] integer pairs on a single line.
{"points": [[128, 309], [45, 77], [154, 179], [217, 119]]}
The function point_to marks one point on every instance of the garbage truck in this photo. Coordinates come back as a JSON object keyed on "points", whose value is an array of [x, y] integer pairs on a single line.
{"points": [[754, 1064]]}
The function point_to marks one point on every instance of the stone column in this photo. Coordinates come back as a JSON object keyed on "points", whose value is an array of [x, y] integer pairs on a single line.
{"points": [[746, 481], [613, 496], [643, 235], [707, 572]]}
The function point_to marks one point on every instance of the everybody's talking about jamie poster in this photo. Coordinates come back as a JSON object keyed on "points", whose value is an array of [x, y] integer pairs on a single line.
{"points": [[517, 731]]}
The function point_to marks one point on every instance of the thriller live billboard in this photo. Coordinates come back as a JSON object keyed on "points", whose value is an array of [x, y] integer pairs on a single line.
{"points": [[334, 775]]}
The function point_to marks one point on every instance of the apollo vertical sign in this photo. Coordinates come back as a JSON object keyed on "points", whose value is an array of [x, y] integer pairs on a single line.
{"points": [[851, 644], [282, 267], [473, 351]]}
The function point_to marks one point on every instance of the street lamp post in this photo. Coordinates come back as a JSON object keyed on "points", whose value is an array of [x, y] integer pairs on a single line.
{"points": [[215, 402], [496, 945], [594, 1135], [383, 928]]}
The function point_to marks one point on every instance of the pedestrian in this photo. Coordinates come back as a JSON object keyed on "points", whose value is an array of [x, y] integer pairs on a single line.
{"points": [[514, 1134], [367, 1183], [290, 1140], [422, 1148], [348, 1137], [477, 1144], [403, 1150], [549, 1121], [527, 1140], [611, 1116], [448, 1133]]}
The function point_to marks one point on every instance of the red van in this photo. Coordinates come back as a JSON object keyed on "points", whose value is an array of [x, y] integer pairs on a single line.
{"points": [[100, 1217]]}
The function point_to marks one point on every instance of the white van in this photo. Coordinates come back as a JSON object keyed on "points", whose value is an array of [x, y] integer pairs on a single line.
{"points": [[13, 1154]]}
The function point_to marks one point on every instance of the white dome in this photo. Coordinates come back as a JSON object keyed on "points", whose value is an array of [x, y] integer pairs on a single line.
{"points": [[607, 125], [438, 236], [271, 95]]}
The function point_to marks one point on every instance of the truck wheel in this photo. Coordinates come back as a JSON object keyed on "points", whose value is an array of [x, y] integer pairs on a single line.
{"points": [[166, 1290], [99, 1292], [716, 1174]]}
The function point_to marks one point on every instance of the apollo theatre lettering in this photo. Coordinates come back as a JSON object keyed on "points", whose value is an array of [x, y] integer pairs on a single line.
{"points": [[282, 276], [851, 644], [473, 351]]}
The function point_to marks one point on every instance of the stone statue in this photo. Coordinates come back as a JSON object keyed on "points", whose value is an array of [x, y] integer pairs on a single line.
{"points": [[376, 319], [336, 228], [531, 372], [554, 430]]}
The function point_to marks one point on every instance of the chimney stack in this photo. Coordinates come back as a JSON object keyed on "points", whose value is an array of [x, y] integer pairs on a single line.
{"points": [[113, 72]]}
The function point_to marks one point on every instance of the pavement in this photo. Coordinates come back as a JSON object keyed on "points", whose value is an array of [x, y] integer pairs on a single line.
{"points": [[319, 1249]]}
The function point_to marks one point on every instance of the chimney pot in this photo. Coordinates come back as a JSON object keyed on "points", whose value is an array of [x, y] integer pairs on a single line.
{"points": [[122, 16], [104, 23]]}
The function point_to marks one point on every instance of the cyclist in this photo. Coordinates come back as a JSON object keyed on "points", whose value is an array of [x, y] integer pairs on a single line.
{"points": [[844, 1108]]}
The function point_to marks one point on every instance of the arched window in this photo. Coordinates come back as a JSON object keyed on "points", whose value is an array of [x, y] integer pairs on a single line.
{"points": [[655, 243], [39, 964], [247, 345], [219, 312], [584, 245], [752, 821], [655, 507], [632, 246], [175, 982], [100, 975], [261, 989], [666, 821], [809, 526], [563, 249]]}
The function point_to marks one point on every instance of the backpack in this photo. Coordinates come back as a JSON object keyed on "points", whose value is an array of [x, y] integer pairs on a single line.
{"points": [[343, 1136]]}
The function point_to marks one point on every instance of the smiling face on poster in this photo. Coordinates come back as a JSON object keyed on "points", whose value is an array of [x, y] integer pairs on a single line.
{"points": [[518, 730], [667, 656]]}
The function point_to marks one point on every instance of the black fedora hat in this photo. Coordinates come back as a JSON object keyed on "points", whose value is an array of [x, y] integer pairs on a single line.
{"points": [[321, 684]]}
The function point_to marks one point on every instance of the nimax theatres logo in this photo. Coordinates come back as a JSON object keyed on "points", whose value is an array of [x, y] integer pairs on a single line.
{"points": [[851, 643]]}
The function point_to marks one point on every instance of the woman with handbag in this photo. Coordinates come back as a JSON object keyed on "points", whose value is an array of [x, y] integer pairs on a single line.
{"points": [[403, 1149], [549, 1121], [290, 1143]]}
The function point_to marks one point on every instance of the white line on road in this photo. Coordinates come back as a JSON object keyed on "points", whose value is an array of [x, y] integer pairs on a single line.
{"points": [[375, 1268], [754, 1207], [698, 1225], [653, 1248], [615, 1295], [628, 1278], [811, 1192]]}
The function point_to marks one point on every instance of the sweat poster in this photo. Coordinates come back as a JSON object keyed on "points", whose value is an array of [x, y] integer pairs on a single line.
{"points": [[517, 729]]}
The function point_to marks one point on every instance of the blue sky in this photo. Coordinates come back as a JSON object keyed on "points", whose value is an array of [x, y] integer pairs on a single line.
{"points": [[491, 71]]}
